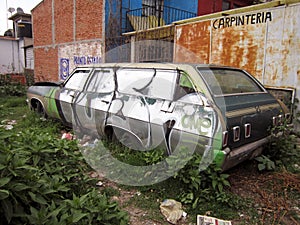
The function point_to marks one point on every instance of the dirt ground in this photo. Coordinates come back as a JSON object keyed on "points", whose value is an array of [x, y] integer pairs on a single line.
{"points": [[269, 193]]}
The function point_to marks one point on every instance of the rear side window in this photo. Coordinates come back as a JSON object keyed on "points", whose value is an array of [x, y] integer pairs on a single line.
{"points": [[77, 80], [102, 81], [229, 81], [149, 82]]}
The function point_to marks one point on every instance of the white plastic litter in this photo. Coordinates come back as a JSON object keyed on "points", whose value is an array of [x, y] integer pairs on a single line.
{"points": [[172, 210]]}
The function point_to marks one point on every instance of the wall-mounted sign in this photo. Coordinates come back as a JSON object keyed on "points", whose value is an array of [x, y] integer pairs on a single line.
{"points": [[240, 20], [64, 68], [86, 60]]}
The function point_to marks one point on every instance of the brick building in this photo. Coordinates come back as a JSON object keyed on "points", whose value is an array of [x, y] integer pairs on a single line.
{"points": [[66, 34]]}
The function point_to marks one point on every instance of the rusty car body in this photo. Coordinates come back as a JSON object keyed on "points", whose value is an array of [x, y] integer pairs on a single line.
{"points": [[219, 111]]}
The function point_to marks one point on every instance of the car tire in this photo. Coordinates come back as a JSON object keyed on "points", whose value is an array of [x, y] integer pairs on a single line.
{"points": [[40, 109]]}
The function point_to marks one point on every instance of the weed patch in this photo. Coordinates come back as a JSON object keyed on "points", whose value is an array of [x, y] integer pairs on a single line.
{"points": [[44, 179]]}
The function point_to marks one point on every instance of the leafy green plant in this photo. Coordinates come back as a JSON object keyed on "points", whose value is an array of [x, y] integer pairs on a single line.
{"points": [[218, 179], [283, 149], [8, 88], [12, 90], [154, 156], [43, 180], [198, 185], [29, 75], [264, 163]]}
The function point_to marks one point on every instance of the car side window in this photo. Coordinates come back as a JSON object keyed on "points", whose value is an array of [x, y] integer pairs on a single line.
{"points": [[149, 82], [77, 80], [185, 86], [102, 81]]}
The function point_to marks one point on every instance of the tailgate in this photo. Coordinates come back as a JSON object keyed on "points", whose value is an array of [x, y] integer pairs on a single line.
{"points": [[250, 117]]}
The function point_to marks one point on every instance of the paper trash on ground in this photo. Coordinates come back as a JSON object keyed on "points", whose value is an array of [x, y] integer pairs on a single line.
{"points": [[207, 220]]}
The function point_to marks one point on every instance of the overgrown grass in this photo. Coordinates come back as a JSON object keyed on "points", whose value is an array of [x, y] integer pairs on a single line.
{"points": [[12, 107]]}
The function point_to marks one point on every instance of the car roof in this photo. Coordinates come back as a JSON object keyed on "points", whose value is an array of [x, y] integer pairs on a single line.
{"points": [[189, 68], [157, 65]]}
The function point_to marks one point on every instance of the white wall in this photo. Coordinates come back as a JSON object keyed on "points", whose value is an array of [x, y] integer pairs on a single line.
{"points": [[9, 56]]}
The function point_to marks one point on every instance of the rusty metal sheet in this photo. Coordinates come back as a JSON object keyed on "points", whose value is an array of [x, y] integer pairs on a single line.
{"points": [[192, 43], [239, 46], [282, 66]]}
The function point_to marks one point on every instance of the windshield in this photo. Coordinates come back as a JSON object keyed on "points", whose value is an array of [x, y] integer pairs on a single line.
{"points": [[223, 81]]}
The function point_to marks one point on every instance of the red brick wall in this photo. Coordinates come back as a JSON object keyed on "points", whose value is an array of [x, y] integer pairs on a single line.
{"points": [[89, 19], [88, 22], [42, 24], [63, 15], [45, 64]]}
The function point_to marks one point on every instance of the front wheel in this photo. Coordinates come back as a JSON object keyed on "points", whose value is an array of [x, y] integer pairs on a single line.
{"points": [[40, 109]]}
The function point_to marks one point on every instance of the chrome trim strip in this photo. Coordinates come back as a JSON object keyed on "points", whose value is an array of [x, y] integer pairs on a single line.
{"points": [[244, 93], [251, 110]]}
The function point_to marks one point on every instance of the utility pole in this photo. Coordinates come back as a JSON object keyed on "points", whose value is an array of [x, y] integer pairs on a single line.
{"points": [[6, 16]]}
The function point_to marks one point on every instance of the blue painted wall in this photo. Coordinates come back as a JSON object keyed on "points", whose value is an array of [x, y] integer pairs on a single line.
{"points": [[188, 5], [135, 4]]}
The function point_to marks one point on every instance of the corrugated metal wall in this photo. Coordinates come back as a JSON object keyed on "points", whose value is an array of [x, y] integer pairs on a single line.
{"points": [[29, 58], [264, 42]]}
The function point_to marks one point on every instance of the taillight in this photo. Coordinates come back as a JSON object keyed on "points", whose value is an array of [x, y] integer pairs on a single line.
{"points": [[280, 119], [275, 120], [236, 133], [225, 138], [247, 130]]}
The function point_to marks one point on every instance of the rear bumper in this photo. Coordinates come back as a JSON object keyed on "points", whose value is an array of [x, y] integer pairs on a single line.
{"points": [[249, 151]]}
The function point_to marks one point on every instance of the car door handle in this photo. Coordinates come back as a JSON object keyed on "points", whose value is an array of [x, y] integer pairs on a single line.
{"points": [[167, 106]]}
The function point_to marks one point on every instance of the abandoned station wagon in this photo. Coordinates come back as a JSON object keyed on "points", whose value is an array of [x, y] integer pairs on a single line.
{"points": [[212, 108]]}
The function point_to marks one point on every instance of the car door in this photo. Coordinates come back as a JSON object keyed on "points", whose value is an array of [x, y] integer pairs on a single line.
{"points": [[194, 119], [92, 104], [142, 106], [69, 91]]}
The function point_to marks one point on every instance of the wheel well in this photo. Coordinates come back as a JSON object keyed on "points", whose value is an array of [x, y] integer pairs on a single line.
{"points": [[36, 105], [109, 132], [33, 103], [123, 136]]}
